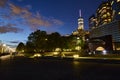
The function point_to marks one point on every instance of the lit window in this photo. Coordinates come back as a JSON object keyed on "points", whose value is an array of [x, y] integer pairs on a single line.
{"points": [[108, 13], [118, 0], [104, 7], [104, 16], [109, 20], [108, 7], [104, 11]]}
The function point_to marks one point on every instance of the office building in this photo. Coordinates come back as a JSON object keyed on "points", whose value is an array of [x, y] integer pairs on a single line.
{"points": [[106, 21], [80, 25]]}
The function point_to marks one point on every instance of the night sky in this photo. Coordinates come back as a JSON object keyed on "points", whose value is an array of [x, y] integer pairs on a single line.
{"points": [[18, 18]]}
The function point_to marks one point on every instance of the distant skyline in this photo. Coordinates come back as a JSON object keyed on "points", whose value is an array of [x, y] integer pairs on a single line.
{"points": [[18, 18]]}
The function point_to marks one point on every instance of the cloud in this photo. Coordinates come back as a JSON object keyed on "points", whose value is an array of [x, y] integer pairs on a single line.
{"points": [[12, 46], [56, 21], [3, 3], [9, 28], [16, 9], [23, 15], [28, 6], [33, 20], [15, 42], [37, 21]]}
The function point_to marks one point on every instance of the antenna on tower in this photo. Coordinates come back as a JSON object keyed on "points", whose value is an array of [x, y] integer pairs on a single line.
{"points": [[80, 12]]}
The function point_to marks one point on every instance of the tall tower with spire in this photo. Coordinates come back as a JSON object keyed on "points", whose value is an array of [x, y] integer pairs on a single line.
{"points": [[80, 21]]}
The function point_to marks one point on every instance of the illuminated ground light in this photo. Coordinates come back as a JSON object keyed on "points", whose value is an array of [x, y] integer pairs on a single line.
{"points": [[75, 56], [104, 52], [55, 53], [35, 55]]}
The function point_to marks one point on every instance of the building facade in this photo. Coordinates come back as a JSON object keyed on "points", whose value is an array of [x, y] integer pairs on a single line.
{"points": [[106, 21], [92, 22], [80, 24], [80, 21], [104, 13], [116, 9]]}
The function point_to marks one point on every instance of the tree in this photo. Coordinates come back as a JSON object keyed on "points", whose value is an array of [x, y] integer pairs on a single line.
{"points": [[65, 42], [54, 41], [38, 38], [41, 41], [20, 47], [30, 48], [82, 35]]}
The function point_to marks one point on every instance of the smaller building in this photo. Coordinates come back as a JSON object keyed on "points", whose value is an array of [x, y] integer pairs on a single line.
{"points": [[92, 22]]}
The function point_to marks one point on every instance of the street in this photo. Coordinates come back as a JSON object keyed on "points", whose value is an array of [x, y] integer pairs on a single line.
{"points": [[21, 68]]}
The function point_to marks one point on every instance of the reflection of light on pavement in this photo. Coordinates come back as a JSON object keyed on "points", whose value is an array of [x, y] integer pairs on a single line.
{"points": [[76, 62], [5, 57], [76, 65]]}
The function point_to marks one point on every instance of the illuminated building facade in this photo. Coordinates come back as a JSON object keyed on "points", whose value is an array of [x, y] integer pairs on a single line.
{"points": [[80, 35], [80, 22], [92, 22], [106, 21], [80, 25], [104, 13], [116, 9]]}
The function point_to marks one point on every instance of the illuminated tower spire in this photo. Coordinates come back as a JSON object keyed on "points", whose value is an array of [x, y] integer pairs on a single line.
{"points": [[80, 21], [80, 12]]}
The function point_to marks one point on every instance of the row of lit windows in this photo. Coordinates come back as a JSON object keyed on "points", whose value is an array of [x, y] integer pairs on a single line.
{"points": [[107, 20], [108, 13], [80, 19], [105, 16], [104, 9], [93, 20]]}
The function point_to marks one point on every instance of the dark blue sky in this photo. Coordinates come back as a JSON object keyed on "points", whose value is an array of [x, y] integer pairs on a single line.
{"points": [[24, 16], [66, 11]]}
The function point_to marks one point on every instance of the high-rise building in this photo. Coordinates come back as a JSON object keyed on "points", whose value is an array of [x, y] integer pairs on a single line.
{"points": [[80, 25], [108, 11], [80, 21], [116, 9], [104, 13], [80, 35], [106, 21]]}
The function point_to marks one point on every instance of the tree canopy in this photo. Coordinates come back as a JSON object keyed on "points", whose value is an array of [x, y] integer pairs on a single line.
{"points": [[40, 41], [20, 47]]}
